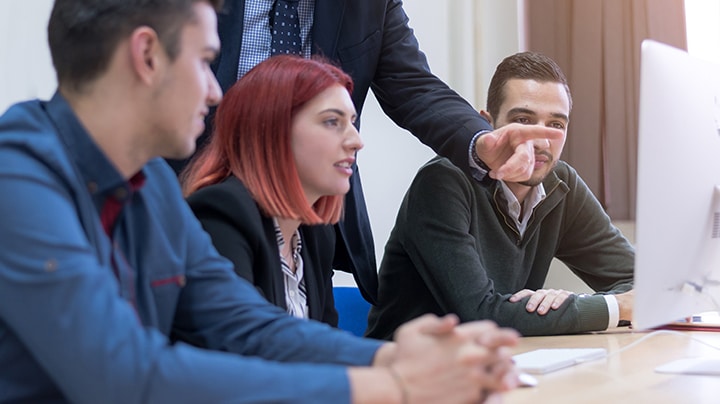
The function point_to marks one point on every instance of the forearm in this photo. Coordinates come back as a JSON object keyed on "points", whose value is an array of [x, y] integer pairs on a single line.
{"points": [[625, 302], [80, 333], [251, 326], [436, 360], [385, 355], [417, 100], [375, 385], [573, 316]]}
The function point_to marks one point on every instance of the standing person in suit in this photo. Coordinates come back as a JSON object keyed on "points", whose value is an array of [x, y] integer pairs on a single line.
{"points": [[271, 182], [111, 292], [372, 42]]}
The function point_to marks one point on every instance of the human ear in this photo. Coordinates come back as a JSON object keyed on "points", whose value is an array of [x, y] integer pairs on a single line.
{"points": [[487, 116], [145, 51]]}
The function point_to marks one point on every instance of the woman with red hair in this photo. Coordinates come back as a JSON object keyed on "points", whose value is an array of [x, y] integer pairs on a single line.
{"points": [[271, 182]]}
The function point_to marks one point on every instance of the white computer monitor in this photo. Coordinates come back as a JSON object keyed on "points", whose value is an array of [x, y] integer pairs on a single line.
{"points": [[677, 264]]}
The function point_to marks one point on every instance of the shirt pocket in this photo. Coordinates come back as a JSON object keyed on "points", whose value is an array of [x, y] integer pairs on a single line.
{"points": [[165, 292]]}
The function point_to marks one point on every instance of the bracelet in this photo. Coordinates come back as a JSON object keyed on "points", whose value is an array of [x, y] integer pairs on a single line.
{"points": [[474, 155], [400, 383]]}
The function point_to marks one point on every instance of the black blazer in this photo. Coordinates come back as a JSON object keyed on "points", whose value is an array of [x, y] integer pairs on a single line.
{"points": [[371, 41], [241, 233]]}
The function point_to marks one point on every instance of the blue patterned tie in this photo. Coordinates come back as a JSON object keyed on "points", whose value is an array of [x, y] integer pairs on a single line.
{"points": [[285, 28]]}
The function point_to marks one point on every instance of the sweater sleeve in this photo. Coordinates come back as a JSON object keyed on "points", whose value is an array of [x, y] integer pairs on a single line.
{"points": [[591, 246]]}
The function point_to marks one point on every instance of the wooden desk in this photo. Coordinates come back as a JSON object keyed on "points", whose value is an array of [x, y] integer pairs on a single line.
{"points": [[625, 377]]}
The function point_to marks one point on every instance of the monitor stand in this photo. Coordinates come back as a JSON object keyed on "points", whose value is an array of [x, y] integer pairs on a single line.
{"points": [[706, 288]]}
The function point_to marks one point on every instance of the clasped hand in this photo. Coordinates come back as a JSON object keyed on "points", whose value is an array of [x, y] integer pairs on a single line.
{"points": [[541, 300], [439, 360]]}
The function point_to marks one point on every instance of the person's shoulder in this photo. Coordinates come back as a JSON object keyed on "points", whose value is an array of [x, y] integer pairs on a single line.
{"points": [[27, 123], [25, 112], [229, 190], [564, 168], [566, 172], [29, 138], [229, 197], [568, 179], [442, 170], [439, 164]]}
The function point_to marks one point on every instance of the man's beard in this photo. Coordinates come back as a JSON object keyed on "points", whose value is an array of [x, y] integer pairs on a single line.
{"points": [[533, 182]]}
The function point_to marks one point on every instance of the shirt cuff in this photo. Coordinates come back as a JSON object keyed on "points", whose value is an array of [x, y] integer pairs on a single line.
{"points": [[478, 172], [613, 311]]}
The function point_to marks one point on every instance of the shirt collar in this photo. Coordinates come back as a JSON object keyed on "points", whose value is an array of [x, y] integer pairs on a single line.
{"points": [[532, 199], [97, 171], [295, 241]]}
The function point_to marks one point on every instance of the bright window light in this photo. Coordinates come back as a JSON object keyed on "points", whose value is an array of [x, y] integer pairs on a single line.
{"points": [[702, 19]]}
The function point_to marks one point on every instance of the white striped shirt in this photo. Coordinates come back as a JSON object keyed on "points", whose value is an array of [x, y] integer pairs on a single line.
{"points": [[295, 291]]}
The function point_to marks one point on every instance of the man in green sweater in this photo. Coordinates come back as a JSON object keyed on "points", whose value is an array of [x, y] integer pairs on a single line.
{"points": [[482, 249]]}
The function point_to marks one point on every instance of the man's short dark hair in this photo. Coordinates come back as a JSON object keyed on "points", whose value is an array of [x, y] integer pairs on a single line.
{"points": [[83, 34], [524, 66]]}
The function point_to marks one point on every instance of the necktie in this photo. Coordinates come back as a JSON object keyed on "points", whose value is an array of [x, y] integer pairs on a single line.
{"points": [[285, 28]]}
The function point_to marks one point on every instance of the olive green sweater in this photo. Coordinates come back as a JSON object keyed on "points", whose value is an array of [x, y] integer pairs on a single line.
{"points": [[455, 250]]}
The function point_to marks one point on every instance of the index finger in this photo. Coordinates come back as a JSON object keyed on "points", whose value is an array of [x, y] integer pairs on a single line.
{"points": [[521, 294], [519, 166], [432, 325], [499, 338], [524, 133]]}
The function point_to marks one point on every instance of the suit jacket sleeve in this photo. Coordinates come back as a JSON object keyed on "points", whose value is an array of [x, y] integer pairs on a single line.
{"points": [[388, 58], [375, 45]]}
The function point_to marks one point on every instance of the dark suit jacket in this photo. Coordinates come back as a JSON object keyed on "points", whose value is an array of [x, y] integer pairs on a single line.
{"points": [[371, 40], [241, 233]]}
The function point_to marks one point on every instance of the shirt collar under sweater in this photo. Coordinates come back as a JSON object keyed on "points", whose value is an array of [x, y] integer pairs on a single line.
{"points": [[533, 198]]}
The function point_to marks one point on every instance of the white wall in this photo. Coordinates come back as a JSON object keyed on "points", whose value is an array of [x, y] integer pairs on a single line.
{"points": [[25, 67]]}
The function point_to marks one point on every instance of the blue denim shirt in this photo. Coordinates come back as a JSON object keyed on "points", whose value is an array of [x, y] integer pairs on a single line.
{"points": [[71, 331]]}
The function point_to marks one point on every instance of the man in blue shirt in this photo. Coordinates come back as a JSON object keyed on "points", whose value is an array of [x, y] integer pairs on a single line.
{"points": [[109, 289]]}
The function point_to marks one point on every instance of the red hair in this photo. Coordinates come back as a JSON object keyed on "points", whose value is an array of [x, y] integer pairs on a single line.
{"points": [[252, 137]]}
